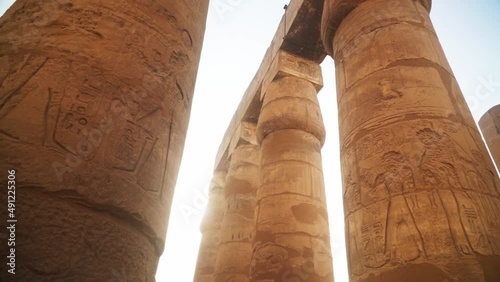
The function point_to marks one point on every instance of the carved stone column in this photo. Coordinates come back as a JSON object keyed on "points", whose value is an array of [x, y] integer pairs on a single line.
{"points": [[235, 246], [210, 229], [490, 127], [94, 106], [292, 240], [421, 196]]}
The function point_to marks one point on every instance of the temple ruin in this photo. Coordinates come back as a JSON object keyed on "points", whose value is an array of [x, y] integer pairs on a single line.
{"points": [[421, 195], [97, 132]]}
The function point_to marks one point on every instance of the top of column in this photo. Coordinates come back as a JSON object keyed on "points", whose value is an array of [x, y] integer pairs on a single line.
{"points": [[493, 109], [335, 11], [493, 115]]}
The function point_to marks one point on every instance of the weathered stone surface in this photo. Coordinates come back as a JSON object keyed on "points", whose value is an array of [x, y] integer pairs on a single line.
{"points": [[61, 239], [94, 105], [490, 127], [211, 229], [297, 108], [288, 64], [421, 196], [292, 236], [235, 245], [245, 134]]}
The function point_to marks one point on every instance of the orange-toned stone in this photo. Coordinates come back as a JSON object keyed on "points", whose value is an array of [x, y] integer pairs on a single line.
{"points": [[211, 229], [421, 196], [235, 244], [94, 104], [490, 127], [292, 240]]}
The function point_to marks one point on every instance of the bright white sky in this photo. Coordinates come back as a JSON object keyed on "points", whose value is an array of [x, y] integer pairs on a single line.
{"points": [[235, 42]]}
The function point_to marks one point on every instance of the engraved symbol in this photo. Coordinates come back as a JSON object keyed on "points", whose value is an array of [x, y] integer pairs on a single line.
{"points": [[82, 121]]}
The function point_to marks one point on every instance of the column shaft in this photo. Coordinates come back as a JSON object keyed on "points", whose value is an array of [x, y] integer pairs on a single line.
{"points": [[421, 196], [490, 127], [211, 229], [292, 240], [235, 247], [94, 106]]}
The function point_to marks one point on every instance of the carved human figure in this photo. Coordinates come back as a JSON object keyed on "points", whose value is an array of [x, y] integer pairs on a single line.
{"points": [[404, 243], [428, 191], [437, 161]]}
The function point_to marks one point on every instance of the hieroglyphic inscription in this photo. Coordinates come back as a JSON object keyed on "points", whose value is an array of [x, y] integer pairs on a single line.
{"points": [[77, 116], [431, 202]]}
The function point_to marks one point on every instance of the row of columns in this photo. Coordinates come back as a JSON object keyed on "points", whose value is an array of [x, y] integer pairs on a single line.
{"points": [[235, 243], [97, 165], [421, 195], [275, 223], [211, 228]]}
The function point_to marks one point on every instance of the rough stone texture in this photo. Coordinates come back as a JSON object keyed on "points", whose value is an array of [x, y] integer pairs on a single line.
{"points": [[235, 245], [421, 196], [211, 229], [292, 240], [94, 104], [490, 127]]}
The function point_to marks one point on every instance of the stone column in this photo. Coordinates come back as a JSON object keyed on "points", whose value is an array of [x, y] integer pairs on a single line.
{"points": [[94, 106], [490, 127], [292, 241], [421, 196], [235, 245], [210, 229]]}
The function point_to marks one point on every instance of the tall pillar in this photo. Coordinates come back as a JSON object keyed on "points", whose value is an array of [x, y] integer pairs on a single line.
{"points": [[490, 127], [211, 229], [292, 241], [235, 246], [94, 106], [421, 196]]}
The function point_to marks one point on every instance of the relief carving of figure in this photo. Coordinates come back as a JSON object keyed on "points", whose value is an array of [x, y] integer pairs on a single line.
{"points": [[437, 163], [403, 242]]}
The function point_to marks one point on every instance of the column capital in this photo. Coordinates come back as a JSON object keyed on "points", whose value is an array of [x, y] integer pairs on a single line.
{"points": [[335, 11], [287, 64], [490, 128], [290, 88], [291, 103], [245, 134], [493, 113], [218, 180]]}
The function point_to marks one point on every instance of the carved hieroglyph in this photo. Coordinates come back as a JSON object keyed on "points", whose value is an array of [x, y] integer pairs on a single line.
{"points": [[235, 244], [211, 229], [94, 105], [490, 127], [292, 241], [421, 196]]}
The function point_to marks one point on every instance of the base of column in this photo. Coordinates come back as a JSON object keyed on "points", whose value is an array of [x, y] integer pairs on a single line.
{"points": [[480, 269], [59, 238]]}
